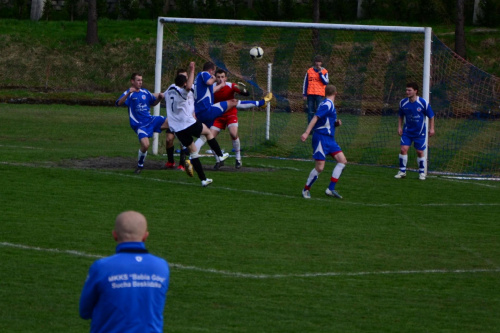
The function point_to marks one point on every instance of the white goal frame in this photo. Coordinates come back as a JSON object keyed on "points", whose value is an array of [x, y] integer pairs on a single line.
{"points": [[427, 31]]}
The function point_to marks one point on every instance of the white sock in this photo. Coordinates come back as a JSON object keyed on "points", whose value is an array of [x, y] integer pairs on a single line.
{"points": [[337, 171], [141, 157], [421, 167], [403, 160], [247, 104], [200, 142], [313, 176], [236, 147]]}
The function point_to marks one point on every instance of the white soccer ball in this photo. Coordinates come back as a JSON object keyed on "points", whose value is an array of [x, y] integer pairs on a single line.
{"points": [[256, 52]]}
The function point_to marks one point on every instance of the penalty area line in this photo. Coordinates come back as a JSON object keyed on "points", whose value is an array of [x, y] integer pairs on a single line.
{"points": [[267, 276]]}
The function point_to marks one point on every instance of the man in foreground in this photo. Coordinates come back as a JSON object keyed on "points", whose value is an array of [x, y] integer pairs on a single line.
{"points": [[126, 292]]}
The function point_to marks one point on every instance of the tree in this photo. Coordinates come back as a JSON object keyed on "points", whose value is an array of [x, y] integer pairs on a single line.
{"points": [[92, 37], [360, 14], [478, 11], [315, 32], [459, 29]]}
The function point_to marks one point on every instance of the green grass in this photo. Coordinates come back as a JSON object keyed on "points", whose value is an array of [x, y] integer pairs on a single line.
{"points": [[248, 253]]}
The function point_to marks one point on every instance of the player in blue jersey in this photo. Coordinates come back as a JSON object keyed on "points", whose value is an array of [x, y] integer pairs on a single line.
{"points": [[413, 111], [205, 109], [139, 101], [126, 292], [323, 126]]}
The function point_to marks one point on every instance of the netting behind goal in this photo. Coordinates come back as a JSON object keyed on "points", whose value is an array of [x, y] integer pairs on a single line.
{"points": [[370, 70]]}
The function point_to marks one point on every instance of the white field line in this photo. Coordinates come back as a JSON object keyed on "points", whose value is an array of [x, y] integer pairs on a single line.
{"points": [[298, 196], [268, 276], [295, 196], [22, 147]]}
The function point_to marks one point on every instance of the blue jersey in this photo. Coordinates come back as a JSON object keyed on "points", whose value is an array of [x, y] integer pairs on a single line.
{"points": [[327, 115], [126, 292], [414, 114], [203, 93], [138, 107]]}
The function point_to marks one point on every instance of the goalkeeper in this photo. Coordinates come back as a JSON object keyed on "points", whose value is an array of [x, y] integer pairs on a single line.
{"points": [[230, 118]]}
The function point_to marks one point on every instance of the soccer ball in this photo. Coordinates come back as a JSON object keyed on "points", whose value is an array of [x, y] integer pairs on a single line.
{"points": [[256, 52]]}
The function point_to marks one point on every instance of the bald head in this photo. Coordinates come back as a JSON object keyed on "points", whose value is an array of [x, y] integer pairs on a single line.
{"points": [[130, 226]]}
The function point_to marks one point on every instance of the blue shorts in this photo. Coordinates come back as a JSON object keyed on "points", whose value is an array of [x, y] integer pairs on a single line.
{"points": [[146, 130], [418, 142], [208, 116], [324, 145]]}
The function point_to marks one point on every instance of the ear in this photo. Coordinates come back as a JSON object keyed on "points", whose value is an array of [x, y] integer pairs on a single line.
{"points": [[146, 235], [115, 235]]}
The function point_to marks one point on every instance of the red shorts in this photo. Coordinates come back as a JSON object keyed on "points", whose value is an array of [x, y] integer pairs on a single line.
{"points": [[228, 118]]}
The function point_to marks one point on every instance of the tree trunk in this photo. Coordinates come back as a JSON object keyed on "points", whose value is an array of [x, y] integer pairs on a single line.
{"points": [[92, 23], [37, 9], [459, 29], [360, 13], [478, 12], [315, 32]]}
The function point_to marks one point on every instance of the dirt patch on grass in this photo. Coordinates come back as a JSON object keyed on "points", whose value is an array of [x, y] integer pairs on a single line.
{"points": [[125, 163]]}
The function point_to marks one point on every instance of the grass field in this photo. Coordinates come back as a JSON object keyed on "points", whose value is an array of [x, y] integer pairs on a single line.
{"points": [[248, 253]]}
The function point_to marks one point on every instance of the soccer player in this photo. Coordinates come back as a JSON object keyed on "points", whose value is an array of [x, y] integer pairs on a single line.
{"points": [[313, 89], [139, 101], [205, 109], [323, 124], [412, 128], [170, 135], [230, 118], [185, 126]]}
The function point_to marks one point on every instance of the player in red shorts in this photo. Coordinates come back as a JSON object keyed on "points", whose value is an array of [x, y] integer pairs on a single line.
{"points": [[230, 118]]}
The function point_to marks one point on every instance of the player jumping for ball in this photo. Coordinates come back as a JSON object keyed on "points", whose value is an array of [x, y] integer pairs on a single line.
{"points": [[205, 109]]}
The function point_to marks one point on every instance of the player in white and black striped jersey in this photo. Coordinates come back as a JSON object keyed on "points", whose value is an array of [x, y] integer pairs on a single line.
{"points": [[182, 122]]}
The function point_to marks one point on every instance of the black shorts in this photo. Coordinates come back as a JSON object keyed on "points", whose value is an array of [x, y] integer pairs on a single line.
{"points": [[186, 135]]}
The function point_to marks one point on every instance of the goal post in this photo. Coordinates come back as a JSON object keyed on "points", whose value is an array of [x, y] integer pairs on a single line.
{"points": [[370, 66]]}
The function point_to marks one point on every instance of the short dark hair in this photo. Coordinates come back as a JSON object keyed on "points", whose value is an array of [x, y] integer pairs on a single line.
{"points": [[318, 58], [330, 90], [412, 85], [180, 70], [208, 65], [220, 71], [132, 77], [180, 80]]}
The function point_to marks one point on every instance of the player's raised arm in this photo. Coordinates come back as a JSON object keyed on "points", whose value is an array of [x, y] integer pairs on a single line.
{"points": [[190, 80]]}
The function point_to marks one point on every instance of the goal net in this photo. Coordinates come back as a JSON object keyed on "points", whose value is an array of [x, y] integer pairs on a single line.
{"points": [[369, 65]]}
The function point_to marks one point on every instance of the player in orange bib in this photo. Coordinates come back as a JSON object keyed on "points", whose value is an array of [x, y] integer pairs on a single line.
{"points": [[230, 118]]}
